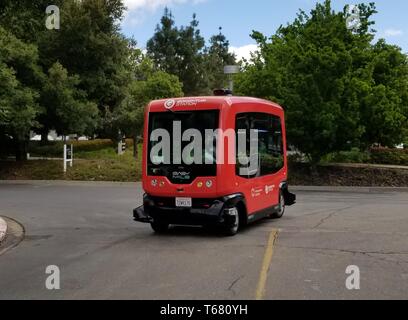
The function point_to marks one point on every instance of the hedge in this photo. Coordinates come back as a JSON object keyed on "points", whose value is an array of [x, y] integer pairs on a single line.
{"points": [[389, 156]]}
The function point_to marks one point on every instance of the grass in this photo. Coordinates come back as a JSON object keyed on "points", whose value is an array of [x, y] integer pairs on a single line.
{"points": [[93, 161], [90, 150], [97, 161]]}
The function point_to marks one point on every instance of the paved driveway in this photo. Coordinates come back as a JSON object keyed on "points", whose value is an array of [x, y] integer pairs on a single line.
{"points": [[87, 231]]}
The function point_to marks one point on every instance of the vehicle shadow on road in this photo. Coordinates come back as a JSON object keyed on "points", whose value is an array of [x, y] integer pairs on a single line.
{"points": [[210, 232], [190, 231]]}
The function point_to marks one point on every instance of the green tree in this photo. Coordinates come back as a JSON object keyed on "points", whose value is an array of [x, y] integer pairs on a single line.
{"points": [[66, 107], [18, 109], [385, 106], [19, 75], [328, 79], [90, 45], [218, 55], [163, 47], [192, 68], [148, 84], [8, 84], [180, 51], [25, 19]]}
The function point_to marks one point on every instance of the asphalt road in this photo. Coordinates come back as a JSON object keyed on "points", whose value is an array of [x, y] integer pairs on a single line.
{"points": [[87, 231]]}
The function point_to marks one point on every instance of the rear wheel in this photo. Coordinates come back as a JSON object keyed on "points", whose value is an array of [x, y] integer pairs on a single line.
{"points": [[159, 226], [281, 210]]}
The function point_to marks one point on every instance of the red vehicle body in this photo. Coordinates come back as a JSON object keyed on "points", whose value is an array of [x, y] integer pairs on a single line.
{"points": [[219, 196]]}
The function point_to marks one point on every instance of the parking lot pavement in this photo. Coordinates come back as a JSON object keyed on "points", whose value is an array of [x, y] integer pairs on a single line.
{"points": [[87, 231], [326, 233]]}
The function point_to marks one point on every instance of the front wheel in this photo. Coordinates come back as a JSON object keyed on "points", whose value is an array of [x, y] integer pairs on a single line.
{"points": [[159, 227], [281, 210], [231, 229]]}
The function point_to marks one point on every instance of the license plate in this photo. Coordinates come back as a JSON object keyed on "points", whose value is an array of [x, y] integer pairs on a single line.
{"points": [[184, 202]]}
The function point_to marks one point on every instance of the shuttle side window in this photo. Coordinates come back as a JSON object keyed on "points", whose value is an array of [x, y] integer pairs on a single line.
{"points": [[242, 128], [270, 143]]}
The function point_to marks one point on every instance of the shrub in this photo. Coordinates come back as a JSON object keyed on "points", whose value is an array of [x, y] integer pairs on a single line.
{"points": [[55, 149], [353, 156], [389, 156]]}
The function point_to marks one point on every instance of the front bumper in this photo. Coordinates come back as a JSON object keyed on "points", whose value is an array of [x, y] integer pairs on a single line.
{"points": [[215, 212]]}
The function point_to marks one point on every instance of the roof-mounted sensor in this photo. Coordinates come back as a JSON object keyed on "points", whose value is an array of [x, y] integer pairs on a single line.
{"points": [[222, 92]]}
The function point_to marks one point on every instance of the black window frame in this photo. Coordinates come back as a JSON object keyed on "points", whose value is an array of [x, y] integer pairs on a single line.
{"points": [[195, 171], [274, 124]]}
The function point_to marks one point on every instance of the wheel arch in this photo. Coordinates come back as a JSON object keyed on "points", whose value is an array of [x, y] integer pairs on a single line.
{"points": [[290, 198], [238, 200]]}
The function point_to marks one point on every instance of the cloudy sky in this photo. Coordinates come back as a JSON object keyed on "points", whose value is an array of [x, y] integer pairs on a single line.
{"points": [[239, 17]]}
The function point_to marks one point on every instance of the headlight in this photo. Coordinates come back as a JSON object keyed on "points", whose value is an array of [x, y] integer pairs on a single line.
{"points": [[154, 183], [209, 184]]}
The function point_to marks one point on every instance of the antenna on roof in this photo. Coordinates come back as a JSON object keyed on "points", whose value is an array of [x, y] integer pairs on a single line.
{"points": [[222, 92]]}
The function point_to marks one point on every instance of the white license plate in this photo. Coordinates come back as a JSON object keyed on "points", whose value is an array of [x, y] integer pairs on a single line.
{"points": [[184, 202]]}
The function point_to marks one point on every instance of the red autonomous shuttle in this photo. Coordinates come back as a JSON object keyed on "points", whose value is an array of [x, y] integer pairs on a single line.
{"points": [[243, 173]]}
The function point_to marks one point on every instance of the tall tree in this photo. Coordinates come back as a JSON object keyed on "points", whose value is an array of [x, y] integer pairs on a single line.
{"points": [[191, 51], [25, 19], [218, 55], [331, 81], [148, 84], [19, 77], [66, 108], [91, 46], [180, 51], [163, 47], [384, 107]]}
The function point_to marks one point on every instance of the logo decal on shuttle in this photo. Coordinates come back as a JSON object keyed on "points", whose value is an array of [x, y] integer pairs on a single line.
{"points": [[169, 104], [269, 189], [256, 192]]}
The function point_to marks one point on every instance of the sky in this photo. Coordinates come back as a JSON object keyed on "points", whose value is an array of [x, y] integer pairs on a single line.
{"points": [[239, 17]]}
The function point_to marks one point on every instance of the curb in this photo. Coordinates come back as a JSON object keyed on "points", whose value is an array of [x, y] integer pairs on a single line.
{"points": [[15, 235], [365, 166], [3, 229], [139, 184], [70, 183], [349, 189]]}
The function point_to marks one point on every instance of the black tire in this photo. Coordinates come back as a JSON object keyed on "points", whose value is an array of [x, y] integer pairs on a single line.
{"points": [[281, 211], [159, 227], [232, 230]]}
